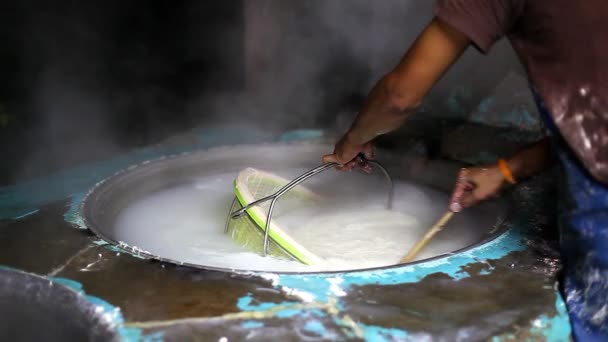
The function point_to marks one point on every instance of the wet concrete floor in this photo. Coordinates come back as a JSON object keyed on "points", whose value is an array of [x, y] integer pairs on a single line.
{"points": [[504, 293], [509, 297]]}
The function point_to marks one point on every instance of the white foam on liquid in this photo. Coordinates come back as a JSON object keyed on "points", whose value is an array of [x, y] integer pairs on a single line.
{"points": [[350, 229]]}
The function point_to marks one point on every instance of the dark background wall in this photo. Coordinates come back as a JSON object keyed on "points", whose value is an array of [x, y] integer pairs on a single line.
{"points": [[82, 80]]}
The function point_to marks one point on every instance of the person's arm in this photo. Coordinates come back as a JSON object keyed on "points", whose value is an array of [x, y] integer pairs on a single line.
{"points": [[480, 183], [401, 91]]}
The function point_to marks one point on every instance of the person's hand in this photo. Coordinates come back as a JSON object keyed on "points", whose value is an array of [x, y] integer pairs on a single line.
{"points": [[346, 152], [476, 184]]}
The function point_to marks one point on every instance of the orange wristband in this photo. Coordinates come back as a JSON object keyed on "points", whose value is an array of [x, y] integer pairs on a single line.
{"points": [[506, 172]]}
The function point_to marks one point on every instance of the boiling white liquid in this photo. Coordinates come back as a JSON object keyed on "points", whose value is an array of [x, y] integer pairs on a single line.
{"points": [[351, 229]]}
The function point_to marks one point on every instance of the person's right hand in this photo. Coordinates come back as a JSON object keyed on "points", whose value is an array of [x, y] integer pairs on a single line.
{"points": [[476, 184], [346, 152]]}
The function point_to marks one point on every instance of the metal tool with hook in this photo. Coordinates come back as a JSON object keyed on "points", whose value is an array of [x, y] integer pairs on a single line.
{"points": [[274, 197]]}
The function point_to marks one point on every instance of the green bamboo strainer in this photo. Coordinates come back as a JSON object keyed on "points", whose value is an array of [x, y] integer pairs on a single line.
{"points": [[250, 221], [248, 229]]}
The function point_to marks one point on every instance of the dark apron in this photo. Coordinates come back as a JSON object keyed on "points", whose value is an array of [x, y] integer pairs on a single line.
{"points": [[583, 224]]}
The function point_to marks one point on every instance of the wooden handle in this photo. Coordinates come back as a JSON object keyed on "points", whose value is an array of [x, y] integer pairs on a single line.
{"points": [[427, 237]]}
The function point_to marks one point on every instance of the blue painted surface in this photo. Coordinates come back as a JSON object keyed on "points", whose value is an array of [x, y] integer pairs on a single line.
{"points": [[15, 201], [26, 214], [110, 312], [154, 337], [485, 104], [252, 324], [458, 99], [556, 328], [513, 110], [23, 198], [72, 215], [316, 327], [380, 334], [244, 304], [325, 288]]}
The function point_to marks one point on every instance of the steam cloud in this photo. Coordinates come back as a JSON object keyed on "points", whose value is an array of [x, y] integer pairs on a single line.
{"points": [[93, 78]]}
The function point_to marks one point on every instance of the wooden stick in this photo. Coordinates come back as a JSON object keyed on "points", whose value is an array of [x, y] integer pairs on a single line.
{"points": [[427, 237]]}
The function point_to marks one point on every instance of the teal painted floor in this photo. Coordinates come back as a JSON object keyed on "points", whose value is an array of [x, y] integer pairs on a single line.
{"points": [[501, 291]]}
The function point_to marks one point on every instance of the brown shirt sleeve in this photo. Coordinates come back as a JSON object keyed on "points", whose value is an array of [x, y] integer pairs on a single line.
{"points": [[483, 21]]}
